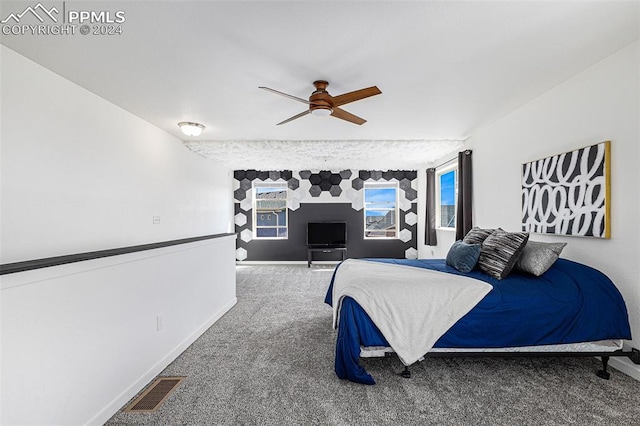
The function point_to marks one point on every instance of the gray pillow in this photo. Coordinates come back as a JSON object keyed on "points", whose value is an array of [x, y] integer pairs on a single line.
{"points": [[477, 235], [463, 256], [500, 251], [537, 257]]}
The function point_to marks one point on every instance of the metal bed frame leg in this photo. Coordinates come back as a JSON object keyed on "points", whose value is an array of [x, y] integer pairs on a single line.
{"points": [[604, 374], [406, 373]]}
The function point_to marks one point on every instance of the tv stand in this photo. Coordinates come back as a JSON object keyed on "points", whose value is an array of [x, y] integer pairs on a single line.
{"points": [[310, 251]]}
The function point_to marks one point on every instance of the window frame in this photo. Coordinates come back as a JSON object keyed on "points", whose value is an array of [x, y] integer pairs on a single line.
{"points": [[439, 173], [255, 213], [396, 209]]}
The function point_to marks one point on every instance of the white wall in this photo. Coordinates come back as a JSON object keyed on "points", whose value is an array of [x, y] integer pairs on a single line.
{"points": [[80, 340], [602, 103], [80, 174]]}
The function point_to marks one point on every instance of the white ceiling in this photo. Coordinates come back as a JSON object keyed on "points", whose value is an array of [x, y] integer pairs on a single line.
{"points": [[446, 70]]}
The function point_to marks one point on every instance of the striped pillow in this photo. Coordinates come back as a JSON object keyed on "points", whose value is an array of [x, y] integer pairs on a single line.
{"points": [[500, 251], [477, 235]]}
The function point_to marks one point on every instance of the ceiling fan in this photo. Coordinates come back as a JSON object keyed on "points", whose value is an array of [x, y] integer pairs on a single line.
{"points": [[321, 103]]}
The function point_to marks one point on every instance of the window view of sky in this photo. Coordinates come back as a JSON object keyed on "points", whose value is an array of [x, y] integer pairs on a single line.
{"points": [[448, 199], [379, 198], [380, 204], [264, 189], [448, 188]]}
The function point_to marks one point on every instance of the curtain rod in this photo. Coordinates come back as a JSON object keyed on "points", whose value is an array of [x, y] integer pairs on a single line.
{"points": [[466, 151]]}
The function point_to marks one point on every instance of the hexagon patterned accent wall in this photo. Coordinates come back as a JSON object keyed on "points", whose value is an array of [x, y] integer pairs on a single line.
{"points": [[325, 181], [321, 187]]}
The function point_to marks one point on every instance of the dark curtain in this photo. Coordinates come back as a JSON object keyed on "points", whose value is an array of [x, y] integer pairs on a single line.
{"points": [[430, 238], [465, 186]]}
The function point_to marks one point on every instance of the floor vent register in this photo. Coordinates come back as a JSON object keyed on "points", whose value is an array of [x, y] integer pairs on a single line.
{"points": [[152, 398]]}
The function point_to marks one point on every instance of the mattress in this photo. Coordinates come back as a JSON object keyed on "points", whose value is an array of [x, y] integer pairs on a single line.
{"points": [[610, 345]]}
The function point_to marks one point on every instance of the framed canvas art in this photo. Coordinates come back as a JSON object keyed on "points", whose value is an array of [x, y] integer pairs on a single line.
{"points": [[569, 193]]}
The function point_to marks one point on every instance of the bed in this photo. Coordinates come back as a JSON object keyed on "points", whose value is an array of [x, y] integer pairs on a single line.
{"points": [[571, 309]]}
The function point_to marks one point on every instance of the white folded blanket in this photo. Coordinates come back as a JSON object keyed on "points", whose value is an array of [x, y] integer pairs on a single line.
{"points": [[412, 307]]}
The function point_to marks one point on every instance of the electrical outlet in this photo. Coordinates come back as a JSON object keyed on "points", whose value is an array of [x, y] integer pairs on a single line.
{"points": [[156, 219], [159, 323], [635, 356]]}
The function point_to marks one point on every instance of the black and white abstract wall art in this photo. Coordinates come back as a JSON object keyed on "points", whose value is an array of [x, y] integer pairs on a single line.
{"points": [[568, 194]]}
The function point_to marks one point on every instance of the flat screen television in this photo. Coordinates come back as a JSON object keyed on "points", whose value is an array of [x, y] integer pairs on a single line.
{"points": [[327, 234]]}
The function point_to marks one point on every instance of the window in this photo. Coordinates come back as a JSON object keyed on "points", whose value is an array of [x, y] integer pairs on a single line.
{"points": [[446, 197], [270, 210], [380, 210]]}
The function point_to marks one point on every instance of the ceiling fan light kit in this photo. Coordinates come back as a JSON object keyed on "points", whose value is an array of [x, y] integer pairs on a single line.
{"points": [[190, 128], [321, 111], [321, 103]]}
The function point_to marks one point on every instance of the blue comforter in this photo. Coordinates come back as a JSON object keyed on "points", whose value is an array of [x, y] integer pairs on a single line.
{"points": [[569, 303]]}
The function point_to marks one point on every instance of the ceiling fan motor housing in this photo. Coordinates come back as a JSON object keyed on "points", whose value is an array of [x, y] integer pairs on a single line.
{"points": [[320, 101]]}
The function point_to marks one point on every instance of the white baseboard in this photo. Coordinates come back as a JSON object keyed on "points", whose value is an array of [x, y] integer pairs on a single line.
{"points": [[107, 412], [626, 366]]}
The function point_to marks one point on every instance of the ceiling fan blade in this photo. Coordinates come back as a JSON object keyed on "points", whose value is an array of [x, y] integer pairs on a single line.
{"points": [[355, 96], [302, 114], [344, 115], [295, 98]]}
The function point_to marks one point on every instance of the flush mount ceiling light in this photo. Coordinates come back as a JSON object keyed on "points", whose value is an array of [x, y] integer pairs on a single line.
{"points": [[190, 128]]}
